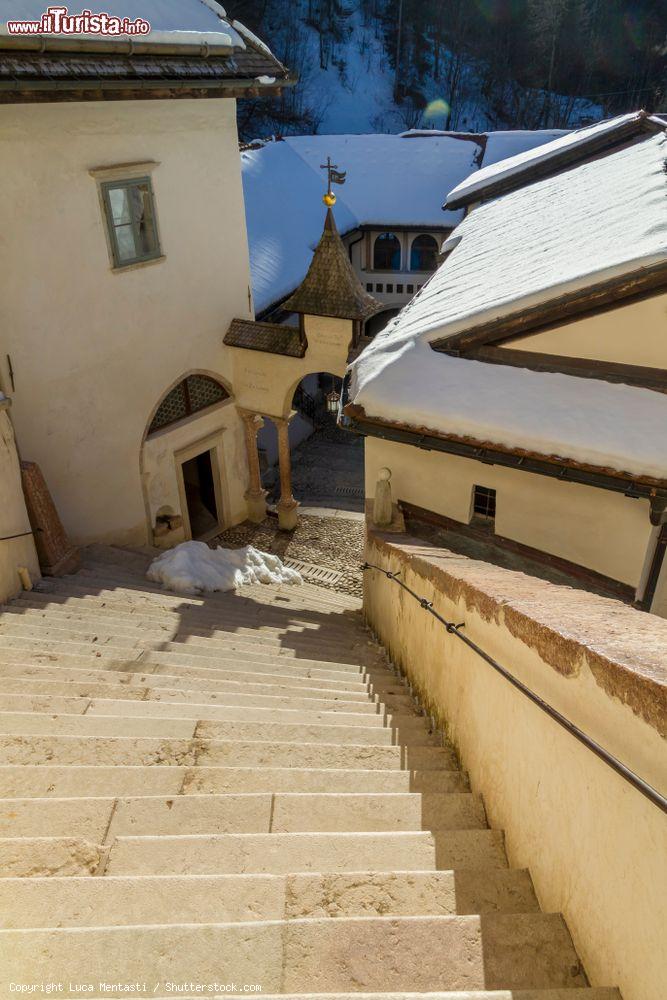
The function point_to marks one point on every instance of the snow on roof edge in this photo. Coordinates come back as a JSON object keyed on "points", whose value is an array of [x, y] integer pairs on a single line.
{"points": [[159, 37], [541, 297], [513, 166]]}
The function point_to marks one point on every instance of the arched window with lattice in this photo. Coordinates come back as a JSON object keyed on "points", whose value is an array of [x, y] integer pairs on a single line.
{"points": [[387, 253], [424, 253], [193, 394]]}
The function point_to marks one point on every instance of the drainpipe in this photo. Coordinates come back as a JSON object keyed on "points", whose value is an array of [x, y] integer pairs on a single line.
{"points": [[657, 559], [655, 554]]}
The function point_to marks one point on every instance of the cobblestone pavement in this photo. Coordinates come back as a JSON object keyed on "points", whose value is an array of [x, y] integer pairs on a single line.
{"points": [[332, 542], [328, 470], [327, 473]]}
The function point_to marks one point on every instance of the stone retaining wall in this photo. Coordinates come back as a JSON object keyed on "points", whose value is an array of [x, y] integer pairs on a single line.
{"points": [[596, 847]]}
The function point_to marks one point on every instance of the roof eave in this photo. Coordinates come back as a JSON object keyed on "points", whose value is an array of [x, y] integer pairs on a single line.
{"points": [[565, 470], [28, 91]]}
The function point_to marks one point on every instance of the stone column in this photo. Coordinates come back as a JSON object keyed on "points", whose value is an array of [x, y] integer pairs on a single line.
{"points": [[255, 495], [287, 505]]}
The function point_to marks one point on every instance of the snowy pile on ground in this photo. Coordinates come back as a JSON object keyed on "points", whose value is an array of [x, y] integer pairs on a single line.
{"points": [[193, 568]]}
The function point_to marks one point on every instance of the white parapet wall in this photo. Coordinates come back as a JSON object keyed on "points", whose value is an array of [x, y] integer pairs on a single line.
{"points": [[17, 548], [595, 846]]}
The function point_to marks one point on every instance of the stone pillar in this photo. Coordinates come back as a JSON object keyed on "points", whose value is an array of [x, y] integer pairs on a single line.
{"points": [[287, 505], [255, 495], [383, 512]]}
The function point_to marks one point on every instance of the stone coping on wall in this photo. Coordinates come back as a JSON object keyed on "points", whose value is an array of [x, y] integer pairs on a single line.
{"points": [[626, 649]]}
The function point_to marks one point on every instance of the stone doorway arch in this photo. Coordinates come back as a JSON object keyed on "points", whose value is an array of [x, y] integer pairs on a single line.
{"points": [[187, 459]]}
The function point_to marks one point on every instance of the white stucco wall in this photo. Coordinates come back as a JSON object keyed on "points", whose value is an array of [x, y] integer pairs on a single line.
{"points": [[14, 551], [93, 350], [265, 383], [595, 528]]}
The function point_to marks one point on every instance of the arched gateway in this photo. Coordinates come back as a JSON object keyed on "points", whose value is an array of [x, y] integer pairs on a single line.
{"points": [[271, 359]]}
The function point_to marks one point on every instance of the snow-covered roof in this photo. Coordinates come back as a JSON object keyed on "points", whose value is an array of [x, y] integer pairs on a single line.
{"points": [[392, 180], [602, 219], [175, 21], [502, 161]]}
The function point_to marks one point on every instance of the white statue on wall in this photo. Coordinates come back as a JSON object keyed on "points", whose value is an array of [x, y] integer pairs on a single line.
{"points": [[382, 504]]}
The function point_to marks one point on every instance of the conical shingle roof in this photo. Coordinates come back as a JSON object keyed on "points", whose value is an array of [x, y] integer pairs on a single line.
{"points": [[331, 288]]}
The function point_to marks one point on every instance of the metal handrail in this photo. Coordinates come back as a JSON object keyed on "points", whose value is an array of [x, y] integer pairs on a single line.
{"points": [[633, 779]]}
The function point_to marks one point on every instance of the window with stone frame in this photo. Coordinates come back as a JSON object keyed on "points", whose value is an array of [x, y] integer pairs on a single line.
{"points": [[129, 207], [194, 394]]}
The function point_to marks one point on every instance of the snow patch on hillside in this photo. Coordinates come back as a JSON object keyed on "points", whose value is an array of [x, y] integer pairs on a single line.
{"points": [[354, 93]]}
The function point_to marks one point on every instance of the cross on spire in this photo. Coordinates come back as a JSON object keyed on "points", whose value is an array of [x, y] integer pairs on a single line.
{"points": [[334, 176]]}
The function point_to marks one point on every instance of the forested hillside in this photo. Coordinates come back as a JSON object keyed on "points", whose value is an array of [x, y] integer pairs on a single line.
{"points": [[387, 65]]}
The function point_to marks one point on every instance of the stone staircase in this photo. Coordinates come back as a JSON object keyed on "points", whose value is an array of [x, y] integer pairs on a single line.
{"points": [[237, 789]]}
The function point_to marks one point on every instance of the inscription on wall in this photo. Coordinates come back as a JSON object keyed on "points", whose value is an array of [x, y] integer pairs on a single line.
{"points": [[255, 378]]}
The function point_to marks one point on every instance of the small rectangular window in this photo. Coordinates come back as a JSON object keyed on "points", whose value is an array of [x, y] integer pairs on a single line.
{"points": [[484, 503], [410, 289], [390, 288], [130, 214], [379, 288], [369, 286], [399, 289]]}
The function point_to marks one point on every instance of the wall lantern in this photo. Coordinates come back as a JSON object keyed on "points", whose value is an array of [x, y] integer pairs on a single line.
{"points": [[333, 399]]}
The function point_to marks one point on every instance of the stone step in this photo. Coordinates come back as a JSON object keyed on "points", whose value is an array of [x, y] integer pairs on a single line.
{"points": [[42, 723], [185, 607], [35, 749], [248, 615], [58, 781], [155, 661], [193, 655], [283, 853], [199, 899], [317, 653], [250, 629], [101, 819], [269, 622], [283, 671], [101, 657], [493, 951], [12, 633], [185, 695], [202, 711], [264, 684], [272, 853], [26, 649]]}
